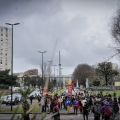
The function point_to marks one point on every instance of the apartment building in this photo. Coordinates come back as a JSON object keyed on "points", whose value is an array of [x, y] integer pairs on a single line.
{"points": [[31, 72], [5, 48]]}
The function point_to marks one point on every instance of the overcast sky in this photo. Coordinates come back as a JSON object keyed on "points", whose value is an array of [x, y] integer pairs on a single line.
{"points": [[79, 29]]}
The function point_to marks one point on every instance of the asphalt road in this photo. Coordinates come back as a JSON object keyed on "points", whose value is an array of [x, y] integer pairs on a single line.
{"points": [[4, 106], [62, 117], [75, 117]]}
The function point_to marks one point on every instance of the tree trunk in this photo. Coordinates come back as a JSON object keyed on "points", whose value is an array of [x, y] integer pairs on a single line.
{"points": [[106, 80], [26, 117]]}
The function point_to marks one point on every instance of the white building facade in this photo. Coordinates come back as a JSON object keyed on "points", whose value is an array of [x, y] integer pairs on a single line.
{"points": [[5, 48]]}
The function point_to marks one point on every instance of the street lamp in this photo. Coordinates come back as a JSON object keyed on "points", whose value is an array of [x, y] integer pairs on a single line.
{"points": [[57, 77], [12, 58], [54, 74], [42, 69], [60, 77]]}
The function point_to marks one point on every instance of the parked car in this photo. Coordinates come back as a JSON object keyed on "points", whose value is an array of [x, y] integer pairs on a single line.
{"points": [[15, 100], [34, 94], [19, 96], [3, 99]]}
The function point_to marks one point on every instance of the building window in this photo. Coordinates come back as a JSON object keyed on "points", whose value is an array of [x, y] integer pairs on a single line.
{"points": [[6, 30], [1, 30], [6, 49], [6, 63], [6, 44], [1, 49], [6, 54], [6, 35], [1, 53], [1, 34], [1, 39], [0, 61]]}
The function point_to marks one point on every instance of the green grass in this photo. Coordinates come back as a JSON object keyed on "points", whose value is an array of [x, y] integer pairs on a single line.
{"points": [[109, 92], [58, 92], [35, 109]]}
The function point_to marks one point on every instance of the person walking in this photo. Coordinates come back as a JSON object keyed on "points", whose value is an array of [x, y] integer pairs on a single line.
{"points": [[85, 111], [31, 98], [96, 109], [90, 103], [42, 102], [48, 103], [75, 105], [115, 109], [80, 106], [106, 110], [67, 104]]}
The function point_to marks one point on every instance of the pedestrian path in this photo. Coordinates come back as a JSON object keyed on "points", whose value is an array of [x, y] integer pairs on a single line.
{"points": [[64, 115]]}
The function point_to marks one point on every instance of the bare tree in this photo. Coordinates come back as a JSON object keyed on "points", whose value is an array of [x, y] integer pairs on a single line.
{"points": [[115, 31]]}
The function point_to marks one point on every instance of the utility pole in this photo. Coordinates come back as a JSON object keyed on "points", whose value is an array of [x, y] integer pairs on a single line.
{"points": [[59, 71], [12, 59], [42, 69], [57, 78]]}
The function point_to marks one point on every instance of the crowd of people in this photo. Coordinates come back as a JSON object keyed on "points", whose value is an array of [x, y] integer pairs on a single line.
{"points": [[106, 107]]}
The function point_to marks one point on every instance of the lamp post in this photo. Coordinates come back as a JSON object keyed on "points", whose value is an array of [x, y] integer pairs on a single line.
{"points": [[42, 69], [12, 58], [57, 77], [54, 72], [61, 78]]}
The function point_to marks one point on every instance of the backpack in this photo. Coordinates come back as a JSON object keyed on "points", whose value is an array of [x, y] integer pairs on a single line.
{"points": [[107, 112], [74, 102], [95, 109], [68, 102]]}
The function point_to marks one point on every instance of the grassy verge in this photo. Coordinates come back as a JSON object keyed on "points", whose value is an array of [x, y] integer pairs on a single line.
{"points": [[108, 92], [58, 92]]}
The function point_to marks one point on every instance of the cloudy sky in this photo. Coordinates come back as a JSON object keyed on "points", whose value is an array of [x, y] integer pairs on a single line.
{"points": [[79, 29]]}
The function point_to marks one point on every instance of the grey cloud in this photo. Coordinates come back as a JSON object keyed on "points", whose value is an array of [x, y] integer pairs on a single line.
{"points": [[71, 23]]}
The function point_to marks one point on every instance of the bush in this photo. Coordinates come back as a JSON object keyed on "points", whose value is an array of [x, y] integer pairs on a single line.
{"points": [[4, 86]]}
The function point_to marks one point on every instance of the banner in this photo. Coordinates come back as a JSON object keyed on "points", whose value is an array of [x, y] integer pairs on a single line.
{"points": [[70, 89], [87, 83]]}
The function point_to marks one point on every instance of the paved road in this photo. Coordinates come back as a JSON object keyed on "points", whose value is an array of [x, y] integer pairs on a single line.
{"points": [[62, 117], [4, 106], [75, 117]]}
